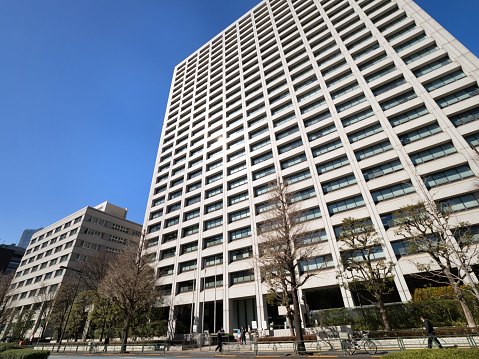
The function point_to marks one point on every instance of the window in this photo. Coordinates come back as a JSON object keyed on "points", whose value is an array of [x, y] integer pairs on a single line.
{"points": [[213, 241], [327, 147], [175, 194], [215, 222], [378, 74], [424, 52], [238, 198], [444, 80], [213, 260], [297, 177], [346, 205], [196, 162], [395, 191], [237, 168], [240, 254], [410, 43], [431, 66], [171, 236], [236, 183], [263, 172], [168, 253], [398, 100], [408, 116], [312, 106], [187, 266], [165, 271], [158, 201], [173, 207], [373, 150], [315, 237], [236, 155], [293, 161], [260, 144], [317, 263], [457, 96], [357, 117], [239, 234], [372, 62], [420, 133], [242, 277], [287, 132], [195, 174], [389, 86], [316, 119], [261, 158], [98, 221], [461, 203], [290, 146], [339, 183], [448, 176], [210, 282], [465, 117], [214, 165], [309, 215], [344, 90], [236, 216], [321, 132], [213, 207], [303, 195], [193, 187], [172, 221], [191, 214], [351, 103], [214, 192], [382, 170], [473, 140], [365, 132], [89, 232], [331, 165], [433, 153], [184, 287], [192, 200]]}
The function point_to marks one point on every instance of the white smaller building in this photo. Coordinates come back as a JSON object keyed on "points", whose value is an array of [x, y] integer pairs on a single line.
{"points": [[67, 243]]}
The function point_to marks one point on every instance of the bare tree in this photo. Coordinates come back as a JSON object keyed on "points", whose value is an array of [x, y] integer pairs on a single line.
{"points": [[362, 267], [5, 282], [45, 299], [64, 298], [285, 247], [130, 283], [432, 228]]}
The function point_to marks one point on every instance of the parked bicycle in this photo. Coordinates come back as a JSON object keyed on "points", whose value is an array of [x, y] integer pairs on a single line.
{"points": [[354, 345]]}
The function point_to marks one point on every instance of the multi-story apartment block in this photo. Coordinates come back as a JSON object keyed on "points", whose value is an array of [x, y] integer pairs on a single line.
{"points": [[64, 245], [360, 106]]}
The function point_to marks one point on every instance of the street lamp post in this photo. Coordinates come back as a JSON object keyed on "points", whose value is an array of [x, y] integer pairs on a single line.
{"points": [[71, 306]]}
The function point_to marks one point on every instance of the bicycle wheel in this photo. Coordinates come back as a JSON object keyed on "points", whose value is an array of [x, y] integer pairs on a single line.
{"points": [[370, 347]]}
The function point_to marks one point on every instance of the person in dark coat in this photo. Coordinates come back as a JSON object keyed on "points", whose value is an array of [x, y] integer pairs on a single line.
{"points": [[219, 336], [243, 336], [430, 333]]}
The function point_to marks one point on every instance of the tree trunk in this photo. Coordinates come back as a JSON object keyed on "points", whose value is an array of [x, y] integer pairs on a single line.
{"points": [[290, 317], [126, 329], [460, 297], [297, 323], [465, 307], [382, 310]]}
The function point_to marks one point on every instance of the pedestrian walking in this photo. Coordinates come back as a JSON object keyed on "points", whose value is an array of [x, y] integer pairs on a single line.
{"points": [[243, 336], [430, 333], [219, 336]]}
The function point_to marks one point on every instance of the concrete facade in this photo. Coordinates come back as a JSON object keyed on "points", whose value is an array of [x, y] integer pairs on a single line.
{"points": [[362, 106], [69, 243]]}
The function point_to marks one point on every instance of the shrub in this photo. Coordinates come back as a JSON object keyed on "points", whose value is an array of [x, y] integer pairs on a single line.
{"points": [[435, 354], [25, 354], [9, 346]]}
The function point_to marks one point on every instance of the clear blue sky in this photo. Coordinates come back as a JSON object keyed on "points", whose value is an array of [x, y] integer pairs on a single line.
{"points": [[83, 92]]}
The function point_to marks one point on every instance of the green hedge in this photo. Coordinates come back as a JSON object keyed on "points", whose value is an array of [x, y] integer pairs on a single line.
{"points": [[9, 346], [441, 313], [24, 354], [435, 354]]}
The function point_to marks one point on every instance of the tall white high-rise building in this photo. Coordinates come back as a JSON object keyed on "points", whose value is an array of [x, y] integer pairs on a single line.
{"points": [[57, 254], [361, 106]]}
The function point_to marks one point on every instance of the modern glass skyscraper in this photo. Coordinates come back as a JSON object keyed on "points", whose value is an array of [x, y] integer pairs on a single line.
{"points": [[361, 106]]}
